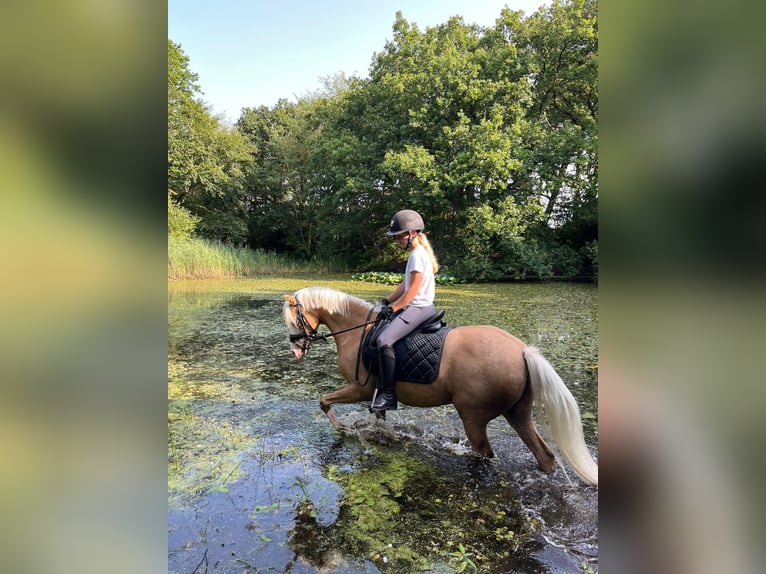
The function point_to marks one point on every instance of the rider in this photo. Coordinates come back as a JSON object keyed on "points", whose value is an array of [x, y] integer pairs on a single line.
{"points": [[414, 297]]}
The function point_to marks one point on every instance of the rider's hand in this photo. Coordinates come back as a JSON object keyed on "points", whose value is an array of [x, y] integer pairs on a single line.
{"points": [[386, 313]]}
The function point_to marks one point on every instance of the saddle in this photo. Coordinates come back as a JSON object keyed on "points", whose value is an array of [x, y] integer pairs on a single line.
{"points": [[418, 355]]}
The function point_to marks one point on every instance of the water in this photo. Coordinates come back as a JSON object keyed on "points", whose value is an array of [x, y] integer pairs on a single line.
{"points": [[258, 481]]}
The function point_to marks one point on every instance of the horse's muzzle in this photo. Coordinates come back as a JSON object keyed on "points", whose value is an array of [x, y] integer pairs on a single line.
{"points": [[297, 350]]}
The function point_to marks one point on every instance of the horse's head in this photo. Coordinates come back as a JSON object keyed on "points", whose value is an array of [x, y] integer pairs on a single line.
{"points": [[299, 322], [307, 308]]}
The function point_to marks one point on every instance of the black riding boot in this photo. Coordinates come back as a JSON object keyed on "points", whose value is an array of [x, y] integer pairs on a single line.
{"points": [[385, 400]]}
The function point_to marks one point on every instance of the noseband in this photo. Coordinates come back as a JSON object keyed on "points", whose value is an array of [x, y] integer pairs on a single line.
{"points": [[309, 334]]}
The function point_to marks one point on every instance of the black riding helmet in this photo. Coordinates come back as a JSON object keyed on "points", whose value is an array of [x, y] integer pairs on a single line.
{"points": [[405, 220]]}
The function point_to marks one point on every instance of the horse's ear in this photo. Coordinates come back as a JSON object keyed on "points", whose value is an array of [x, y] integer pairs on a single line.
{"points": [[290, 299]]}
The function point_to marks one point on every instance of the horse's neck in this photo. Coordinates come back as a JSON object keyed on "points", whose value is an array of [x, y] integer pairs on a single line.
{"points": [[357, 315]]}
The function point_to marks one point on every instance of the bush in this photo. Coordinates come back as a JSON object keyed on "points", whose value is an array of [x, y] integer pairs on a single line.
{"points": [[528, 258], [181, 222], [590, 252], [567, 262], [396, 278], [222, 226]]}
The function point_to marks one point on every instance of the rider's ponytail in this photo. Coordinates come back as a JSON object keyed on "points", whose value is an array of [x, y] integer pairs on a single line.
{"points": [[425, 243]]}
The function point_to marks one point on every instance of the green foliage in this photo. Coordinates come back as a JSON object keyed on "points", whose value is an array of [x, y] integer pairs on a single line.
{"points": [[495, 245], [206, 160], [531, 260], [181, 223], [463, 559], [387, 278], [566, 260], [224, 226], [196, 258], [379, 277], [590, 252], [490, 133]]}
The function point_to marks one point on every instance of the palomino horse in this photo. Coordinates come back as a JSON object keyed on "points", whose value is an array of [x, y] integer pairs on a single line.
{"points": [[485, 372]]}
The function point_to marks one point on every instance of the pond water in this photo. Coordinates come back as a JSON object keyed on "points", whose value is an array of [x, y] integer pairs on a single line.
{"points": [[258, 480]]}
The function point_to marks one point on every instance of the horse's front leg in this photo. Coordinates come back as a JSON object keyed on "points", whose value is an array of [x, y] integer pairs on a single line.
{"points": [[348, 394]]}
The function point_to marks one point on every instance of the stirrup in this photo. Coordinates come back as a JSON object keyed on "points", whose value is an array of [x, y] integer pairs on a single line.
{"points": [[385, 404]]}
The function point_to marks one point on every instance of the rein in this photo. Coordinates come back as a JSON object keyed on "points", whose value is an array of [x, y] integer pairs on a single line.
{"points": [[361, 351], [310, 334]]}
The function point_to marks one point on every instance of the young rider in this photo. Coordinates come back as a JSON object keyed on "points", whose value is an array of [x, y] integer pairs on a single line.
{"points": [[414, 297]]}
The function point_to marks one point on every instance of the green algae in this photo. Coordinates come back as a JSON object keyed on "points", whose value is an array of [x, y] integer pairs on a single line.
{"points": [[203, 455], [407, 515]]}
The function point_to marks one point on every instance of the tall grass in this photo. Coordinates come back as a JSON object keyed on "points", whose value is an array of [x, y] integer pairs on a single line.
{"points": [[196, 258]]}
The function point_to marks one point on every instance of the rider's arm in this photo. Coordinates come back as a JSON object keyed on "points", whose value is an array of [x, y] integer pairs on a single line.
{"points": [[416, 278], [398, 292]]}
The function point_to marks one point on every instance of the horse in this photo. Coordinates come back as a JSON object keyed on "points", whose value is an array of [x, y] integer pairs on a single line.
{"points": [[485, 372]]}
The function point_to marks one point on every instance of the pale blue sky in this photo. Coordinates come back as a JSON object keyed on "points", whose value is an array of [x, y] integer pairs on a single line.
{"points": [[252, 53]]}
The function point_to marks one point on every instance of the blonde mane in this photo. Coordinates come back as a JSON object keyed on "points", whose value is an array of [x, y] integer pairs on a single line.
{"points": [[334, 302]]}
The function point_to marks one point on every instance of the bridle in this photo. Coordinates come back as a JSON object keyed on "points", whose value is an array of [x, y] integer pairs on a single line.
{"points": [[309, 334]]}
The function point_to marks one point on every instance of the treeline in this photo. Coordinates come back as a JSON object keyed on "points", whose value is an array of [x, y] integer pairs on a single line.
{"points": [[490, 133]]}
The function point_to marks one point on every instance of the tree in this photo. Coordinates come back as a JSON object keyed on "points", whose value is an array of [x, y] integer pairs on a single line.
{"points": [[559, 48], [205, 158], [458, 115], [282, 195], [491, 133], [181, 223]]}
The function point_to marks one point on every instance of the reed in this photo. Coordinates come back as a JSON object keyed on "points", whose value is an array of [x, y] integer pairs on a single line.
{"points": [[196, 258]]}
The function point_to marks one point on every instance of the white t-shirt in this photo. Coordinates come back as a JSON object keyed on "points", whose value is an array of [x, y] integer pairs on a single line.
{"points": [[420, 261]]}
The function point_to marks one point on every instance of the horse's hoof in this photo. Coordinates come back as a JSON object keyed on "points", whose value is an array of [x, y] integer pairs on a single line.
{"points": [[379, 415], [333, 419], [368, 406]]}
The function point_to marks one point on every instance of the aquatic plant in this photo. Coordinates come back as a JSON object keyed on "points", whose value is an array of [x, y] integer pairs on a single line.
{"points": [[204, 453], [195, 258], [462, 558], [395, 278], [405, 515]]}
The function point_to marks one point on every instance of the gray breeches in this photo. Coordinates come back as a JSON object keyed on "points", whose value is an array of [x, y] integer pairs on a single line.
{"points": [[403, 324]]}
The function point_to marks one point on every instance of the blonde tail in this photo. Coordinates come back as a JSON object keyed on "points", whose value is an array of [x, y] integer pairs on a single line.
{"points": [[563, 415]]}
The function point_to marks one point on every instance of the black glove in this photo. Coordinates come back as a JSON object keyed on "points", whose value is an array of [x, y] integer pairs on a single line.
{"points": [[386, 313], [385, 302]]}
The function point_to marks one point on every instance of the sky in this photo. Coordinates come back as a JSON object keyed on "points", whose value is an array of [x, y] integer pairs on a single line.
{"points": [[249, 53]]}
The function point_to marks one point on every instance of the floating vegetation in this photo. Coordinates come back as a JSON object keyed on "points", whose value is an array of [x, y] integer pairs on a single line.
{"points": [[388, 278], [203, 454], [259, 481], [405, 515]]}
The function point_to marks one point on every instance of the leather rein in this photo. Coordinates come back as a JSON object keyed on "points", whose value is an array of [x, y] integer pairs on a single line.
{"points": [[309, 334]]}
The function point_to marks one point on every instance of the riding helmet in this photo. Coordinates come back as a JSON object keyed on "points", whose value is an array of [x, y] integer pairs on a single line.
{"points": [[405, 220]]}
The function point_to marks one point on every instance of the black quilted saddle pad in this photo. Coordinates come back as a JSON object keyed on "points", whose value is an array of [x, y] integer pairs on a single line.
{"points": [[418, 356]]}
